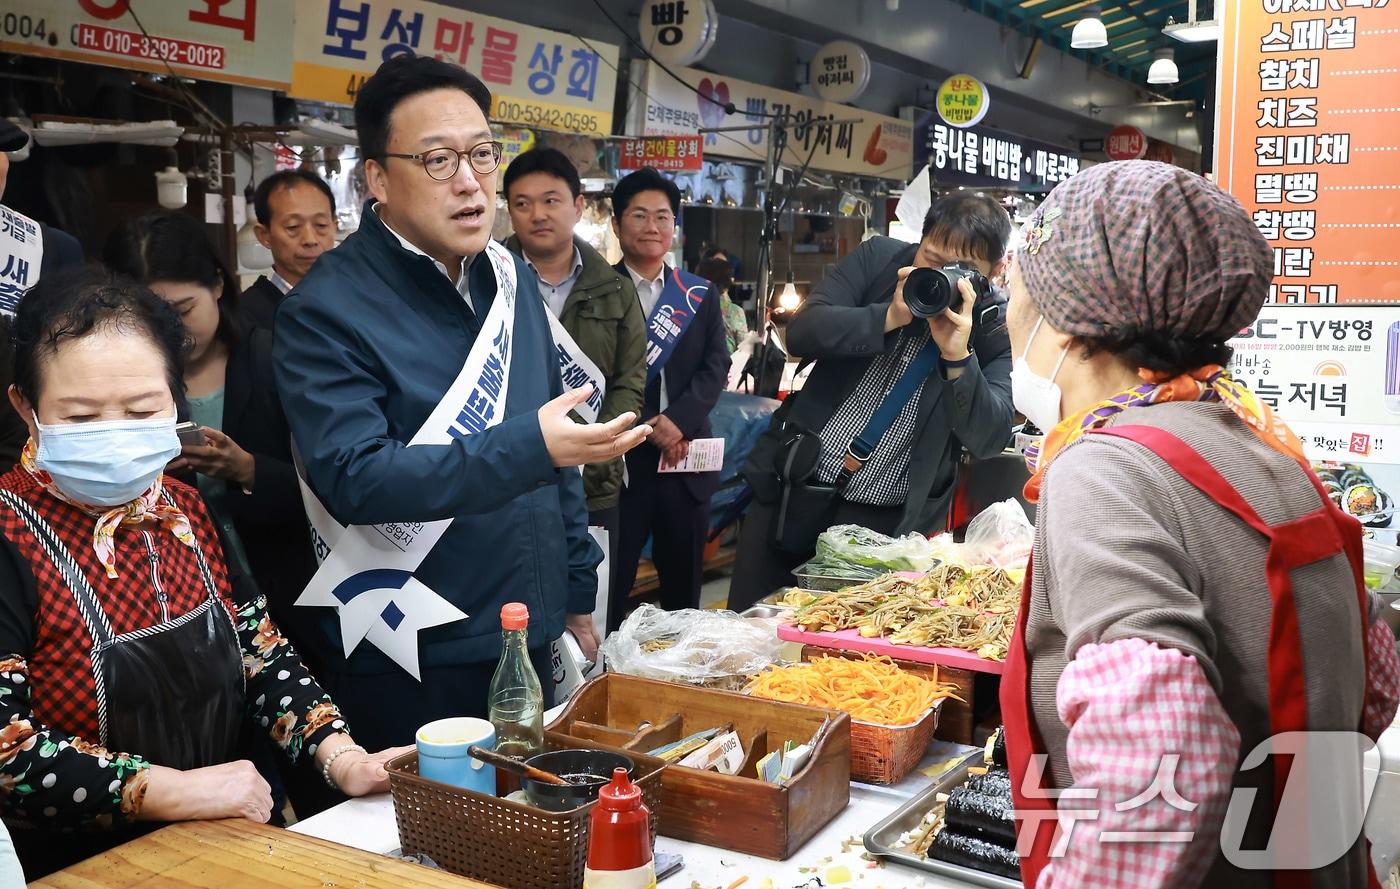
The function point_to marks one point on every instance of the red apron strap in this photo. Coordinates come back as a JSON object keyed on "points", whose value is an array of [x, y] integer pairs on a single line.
{"points": [[1191, 466]]}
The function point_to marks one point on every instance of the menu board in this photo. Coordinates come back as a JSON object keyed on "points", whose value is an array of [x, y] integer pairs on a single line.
{"points": [[855, 141], [1309, 142], [232, 41], [538, 78]]}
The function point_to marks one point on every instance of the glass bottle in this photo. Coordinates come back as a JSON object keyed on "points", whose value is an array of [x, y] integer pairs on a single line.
{"points": [[516, 699]]}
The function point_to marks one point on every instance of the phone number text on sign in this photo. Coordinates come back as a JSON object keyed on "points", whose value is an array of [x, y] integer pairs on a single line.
{"points": [[129, 43]]}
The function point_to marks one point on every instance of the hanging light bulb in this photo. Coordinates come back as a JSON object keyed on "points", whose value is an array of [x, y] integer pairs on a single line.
{"points": [[1089, 32], [1163, 69], [789, 300], [170, 183]]}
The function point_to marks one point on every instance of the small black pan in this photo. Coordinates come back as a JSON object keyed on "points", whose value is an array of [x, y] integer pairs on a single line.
{"points": [[585, 770]]}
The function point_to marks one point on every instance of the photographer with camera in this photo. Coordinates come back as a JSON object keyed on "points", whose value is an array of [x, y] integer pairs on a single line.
{"points": [[913, 365]]}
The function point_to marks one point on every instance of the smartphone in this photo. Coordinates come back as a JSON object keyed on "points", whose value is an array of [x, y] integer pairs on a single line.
{"points": [[190, 433]]}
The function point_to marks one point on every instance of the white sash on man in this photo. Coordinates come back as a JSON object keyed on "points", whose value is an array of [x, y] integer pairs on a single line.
{"points": [[21, 254], [367, 570], [577, 369]]}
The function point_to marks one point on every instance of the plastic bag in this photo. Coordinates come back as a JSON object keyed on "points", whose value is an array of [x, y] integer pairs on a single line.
{"points": [[856, 552], [1001, 535], [717, 649]]}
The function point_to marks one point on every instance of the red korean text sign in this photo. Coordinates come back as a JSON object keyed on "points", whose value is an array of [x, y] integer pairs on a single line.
{"points": [[672, 153], [1309, 142]]}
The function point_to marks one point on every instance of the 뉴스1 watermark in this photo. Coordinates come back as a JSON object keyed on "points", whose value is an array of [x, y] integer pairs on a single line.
{"points": [[1321, 813]]}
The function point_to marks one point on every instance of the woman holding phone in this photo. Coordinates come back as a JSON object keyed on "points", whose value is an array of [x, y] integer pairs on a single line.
{"points": [[241, 452]]}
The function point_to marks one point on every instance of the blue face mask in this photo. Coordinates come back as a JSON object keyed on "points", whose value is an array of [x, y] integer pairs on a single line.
{"points": [[108, 463]]}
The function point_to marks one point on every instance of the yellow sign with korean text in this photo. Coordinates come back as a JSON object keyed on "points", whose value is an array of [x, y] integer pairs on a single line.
{"points": [[962, 100], [538, 78]]}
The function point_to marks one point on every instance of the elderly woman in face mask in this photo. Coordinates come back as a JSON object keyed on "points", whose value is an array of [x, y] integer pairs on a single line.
{"points": [[131, 657], [1193, 591]]}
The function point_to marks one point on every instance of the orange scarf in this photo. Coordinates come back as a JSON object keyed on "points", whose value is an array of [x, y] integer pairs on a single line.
{"points": [[1209, 383], [148, 505]]}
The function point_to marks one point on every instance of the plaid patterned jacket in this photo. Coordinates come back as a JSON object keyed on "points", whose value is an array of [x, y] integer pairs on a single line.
{"points": [[53, 767]]}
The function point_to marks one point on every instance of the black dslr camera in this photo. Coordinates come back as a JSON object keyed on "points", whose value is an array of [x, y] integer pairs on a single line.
{"points": [[928, 292]]}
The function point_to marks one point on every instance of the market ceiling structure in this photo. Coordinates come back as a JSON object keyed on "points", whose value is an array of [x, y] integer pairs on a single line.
{"points": [[1134, 35]]}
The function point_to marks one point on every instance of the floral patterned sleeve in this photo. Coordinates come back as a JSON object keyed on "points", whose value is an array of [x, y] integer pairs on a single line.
{"points": [[282, 695], [54, 780]]}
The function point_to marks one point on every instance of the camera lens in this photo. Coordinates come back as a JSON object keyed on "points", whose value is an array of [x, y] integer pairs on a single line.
{"points": [[928, 292]]}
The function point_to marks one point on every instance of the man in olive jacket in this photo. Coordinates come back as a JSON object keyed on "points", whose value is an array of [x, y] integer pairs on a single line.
{"points": [[596, 305]]}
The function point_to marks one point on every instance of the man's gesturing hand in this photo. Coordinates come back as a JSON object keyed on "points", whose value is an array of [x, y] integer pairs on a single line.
{"points": [[574, 444]]}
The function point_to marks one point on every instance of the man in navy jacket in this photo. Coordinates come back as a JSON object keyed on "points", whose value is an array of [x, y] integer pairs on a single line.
{"points": [[673, 509], [367, 345]]}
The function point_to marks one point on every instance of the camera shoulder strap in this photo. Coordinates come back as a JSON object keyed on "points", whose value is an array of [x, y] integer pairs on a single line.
{"points": [[865, 442]]}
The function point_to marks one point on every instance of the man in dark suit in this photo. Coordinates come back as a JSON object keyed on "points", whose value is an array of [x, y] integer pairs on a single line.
{"points": [[858, 327], [295, 210], [671, 508]]}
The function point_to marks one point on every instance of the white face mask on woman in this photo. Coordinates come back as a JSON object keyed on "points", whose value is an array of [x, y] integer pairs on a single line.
{"points": [[1033, 395], [107, 463]]}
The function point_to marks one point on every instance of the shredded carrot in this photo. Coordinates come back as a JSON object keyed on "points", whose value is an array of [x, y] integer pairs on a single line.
{"points": [[873, 689], [739, 882]]}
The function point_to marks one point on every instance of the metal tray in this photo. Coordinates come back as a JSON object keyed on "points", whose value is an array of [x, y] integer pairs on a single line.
{"points": [[881, 839], [823, 583], [767, 611]]}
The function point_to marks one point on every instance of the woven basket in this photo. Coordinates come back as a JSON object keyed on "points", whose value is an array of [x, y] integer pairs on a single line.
{"points": [[498, 841], [882, 754]]}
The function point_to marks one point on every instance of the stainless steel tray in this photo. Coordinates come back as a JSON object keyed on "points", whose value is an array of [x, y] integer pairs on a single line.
{"points": [[767, 611], [882, 838]]}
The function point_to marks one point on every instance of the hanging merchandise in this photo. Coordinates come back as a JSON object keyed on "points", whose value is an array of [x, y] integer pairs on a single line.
{"points": [[962, 100], [840, 71], [678, 32]]}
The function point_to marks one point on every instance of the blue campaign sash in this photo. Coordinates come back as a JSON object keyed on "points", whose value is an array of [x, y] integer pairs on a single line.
{"points": [[679, 303]]}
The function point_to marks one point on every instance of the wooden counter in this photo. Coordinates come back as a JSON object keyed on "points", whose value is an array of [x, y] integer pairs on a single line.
{"points": [[238, 853]]}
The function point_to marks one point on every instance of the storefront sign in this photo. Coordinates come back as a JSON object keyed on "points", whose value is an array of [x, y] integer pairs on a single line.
{"points": [[515, 141], [247, 42], [867, 144], [840, 71], [1126, 144], [1307, 140], [662, 153], [962, 101], [1331, 375], [537, 78], [678, 32], [989, 158]]}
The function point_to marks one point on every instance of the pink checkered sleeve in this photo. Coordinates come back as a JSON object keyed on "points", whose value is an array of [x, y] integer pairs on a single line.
{"points": [[1148, 731], [1383, 681]]}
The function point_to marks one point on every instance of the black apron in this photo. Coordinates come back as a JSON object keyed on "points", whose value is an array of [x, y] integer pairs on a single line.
{"points": [[172, 692]]}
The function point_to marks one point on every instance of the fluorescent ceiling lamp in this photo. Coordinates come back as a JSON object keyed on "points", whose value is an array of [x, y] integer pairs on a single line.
{"points": [[1089, 33], [1193, 32], [1163, 70]]}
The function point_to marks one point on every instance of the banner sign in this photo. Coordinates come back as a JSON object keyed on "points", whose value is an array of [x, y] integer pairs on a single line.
{"points": [[538, 78], [1333, 376], [872, 145], [1307, 141], [248, 42], [988, 158], [663, 153]]}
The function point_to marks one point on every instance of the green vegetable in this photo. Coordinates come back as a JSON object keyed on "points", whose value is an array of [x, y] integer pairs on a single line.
{"points": [[856, 552]]}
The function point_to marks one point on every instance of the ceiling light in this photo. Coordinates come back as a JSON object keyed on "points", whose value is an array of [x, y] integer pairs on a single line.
{"points": [[1193, 32], [1089, 33], [1163, 70], [789, 299]]}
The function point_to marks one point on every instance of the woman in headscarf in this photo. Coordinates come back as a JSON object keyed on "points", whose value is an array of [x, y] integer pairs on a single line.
{"points": [[1193, 592], [131, 654]]}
